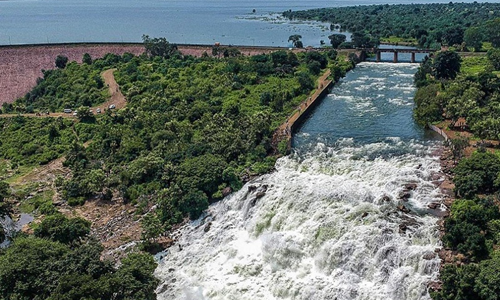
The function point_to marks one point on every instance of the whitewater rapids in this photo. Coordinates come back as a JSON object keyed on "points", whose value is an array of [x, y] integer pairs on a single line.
{"points": [[329, 223]]}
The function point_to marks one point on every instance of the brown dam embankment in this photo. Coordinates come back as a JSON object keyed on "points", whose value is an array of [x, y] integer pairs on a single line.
{"points": [[20, 66]]}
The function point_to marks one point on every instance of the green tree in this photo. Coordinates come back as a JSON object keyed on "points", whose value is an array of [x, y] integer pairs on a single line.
{"points": [[29, 268], [446, 65], [453, 36], [134, 279], [151, 227], [87, 59], [491, 30], [61, 229], [336, 39], [458, 146], [473, 37], [84, 114], [428, 108], [458, 283], [295, 39], [61, 61], [159, 47], [476, 174], [494, 58], [4, 193]]}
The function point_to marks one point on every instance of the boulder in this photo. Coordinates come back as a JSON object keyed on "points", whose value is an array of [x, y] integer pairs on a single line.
{"points": [[403, 209], [226, 191], [260, 194], [433, 205], [404, 195], [386, 198], [410, 186], [207, 227]]}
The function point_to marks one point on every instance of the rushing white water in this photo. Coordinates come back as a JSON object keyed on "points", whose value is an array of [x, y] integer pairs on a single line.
{"points": [[324, 225]]}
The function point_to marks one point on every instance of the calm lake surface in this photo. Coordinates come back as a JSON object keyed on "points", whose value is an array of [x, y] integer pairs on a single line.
{"points": [[190, 21]]}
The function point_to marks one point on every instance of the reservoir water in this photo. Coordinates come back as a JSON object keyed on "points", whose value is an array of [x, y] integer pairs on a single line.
{"points": [[329, 222], [187, 21]]}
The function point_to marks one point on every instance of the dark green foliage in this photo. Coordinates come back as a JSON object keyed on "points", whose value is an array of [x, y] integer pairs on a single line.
{"points": [[295, 39], [488, 280], [87, 59], [61, 229], [61, 61], [473, 38], [36, 268], [361, 40], [428, 108], [491, 32], [466, 226], [159, 47], [71, 87], [429, 24], [477, 174], [494, 58], [336, 39], [453, 36], [424, 70], [446, 65], [84, 114], [34, 140], [458, 283], [29, 269]]}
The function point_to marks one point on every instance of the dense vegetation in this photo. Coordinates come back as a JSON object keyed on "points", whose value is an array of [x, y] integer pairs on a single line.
{"points": [[70, 86], [428, 25], [472, 94], [468, 88], [60, 261]]}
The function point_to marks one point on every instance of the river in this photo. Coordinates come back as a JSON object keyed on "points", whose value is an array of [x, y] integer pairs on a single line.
{"points": [[326, 223]]}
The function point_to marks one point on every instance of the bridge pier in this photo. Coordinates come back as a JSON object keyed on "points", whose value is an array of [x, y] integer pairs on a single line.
{"points": [[395, 59], [378, 56], [413, 57]]}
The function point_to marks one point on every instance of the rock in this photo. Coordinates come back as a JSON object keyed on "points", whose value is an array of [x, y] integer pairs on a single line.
{"points": [[403, 208], [410, 186], [226, 191], [435, 285], [252, 188], [207, 227], [402, 228], [364, 215], [386, 198], [429, 255], [404, 195], [433, 205], [260, 194]]}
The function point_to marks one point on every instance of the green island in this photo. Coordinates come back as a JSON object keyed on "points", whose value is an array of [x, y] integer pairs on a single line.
{"points": [[193, 130]]}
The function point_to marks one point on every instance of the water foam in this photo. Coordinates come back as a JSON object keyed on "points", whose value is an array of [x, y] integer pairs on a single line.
{"points": [[327, 227]]}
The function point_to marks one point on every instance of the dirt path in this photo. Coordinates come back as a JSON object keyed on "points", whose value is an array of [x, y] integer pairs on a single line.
{"points": [[116, 98], [285, 129]]}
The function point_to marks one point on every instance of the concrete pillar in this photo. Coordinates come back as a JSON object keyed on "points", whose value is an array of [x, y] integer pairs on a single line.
{"points": [[395, 60], [413, 57], [378, 56]]}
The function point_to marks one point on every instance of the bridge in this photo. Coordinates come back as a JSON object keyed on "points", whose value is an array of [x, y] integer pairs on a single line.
{"points": [[396, 51]]}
